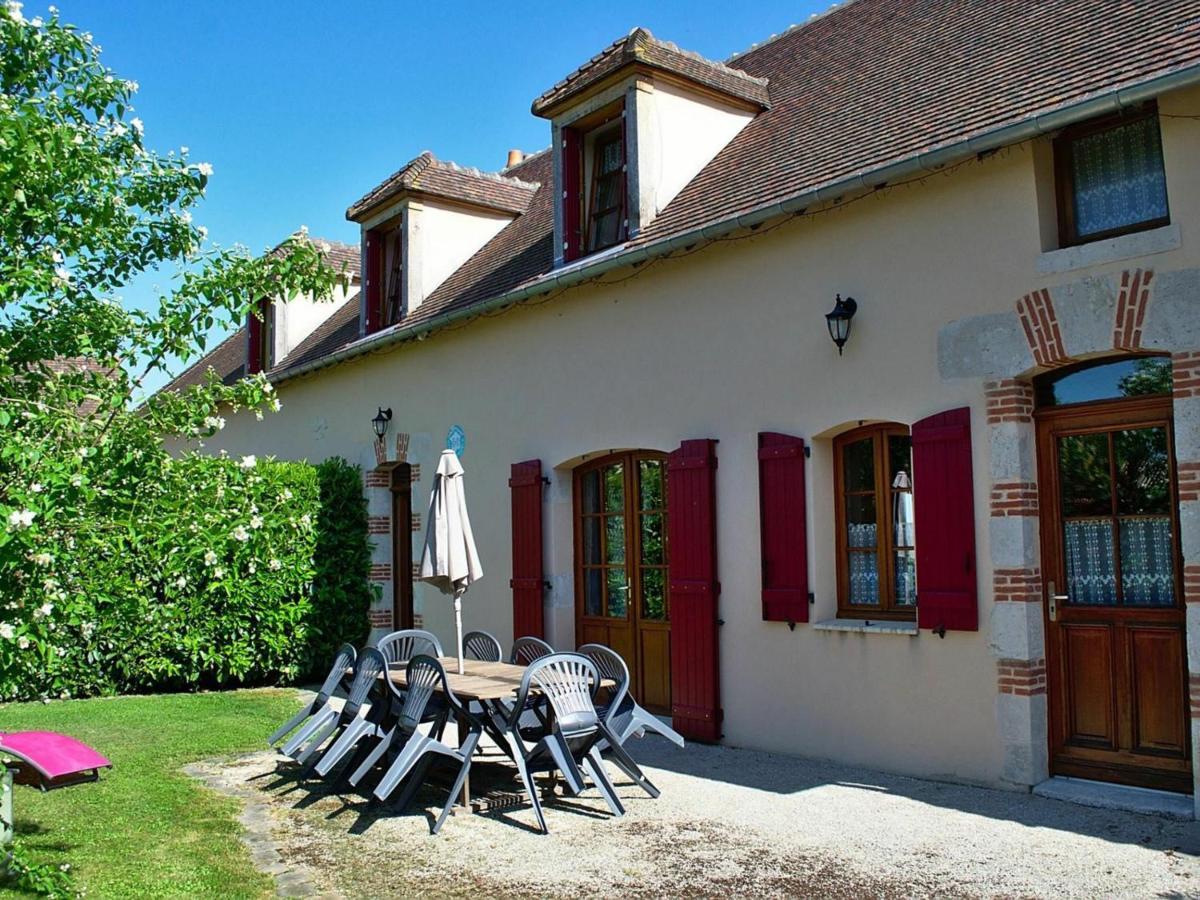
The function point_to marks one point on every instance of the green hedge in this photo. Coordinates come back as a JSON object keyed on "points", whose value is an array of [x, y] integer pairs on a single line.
{"points": [[227, 572]]}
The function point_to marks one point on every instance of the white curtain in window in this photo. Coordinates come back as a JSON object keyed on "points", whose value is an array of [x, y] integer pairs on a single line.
{"points": [[1119, 178]]}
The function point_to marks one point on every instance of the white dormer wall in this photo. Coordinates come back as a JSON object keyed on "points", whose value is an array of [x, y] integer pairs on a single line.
{"points": [[300, 316], [679, 132], [441, 237], [671, 133]]}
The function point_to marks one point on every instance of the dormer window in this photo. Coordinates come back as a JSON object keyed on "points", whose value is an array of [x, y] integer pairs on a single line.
{"points": [[631, 128], [422, 224], [606, 198]]}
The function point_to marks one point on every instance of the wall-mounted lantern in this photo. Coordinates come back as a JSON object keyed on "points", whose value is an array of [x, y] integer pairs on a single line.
{"points": [[380, 423], [838, 320]]}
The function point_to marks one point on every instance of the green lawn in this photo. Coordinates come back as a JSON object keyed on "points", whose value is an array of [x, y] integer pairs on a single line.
{"points": [[146, 829]]}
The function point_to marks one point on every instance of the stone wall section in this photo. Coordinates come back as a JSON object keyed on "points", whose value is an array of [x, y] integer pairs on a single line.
{"points": [[1134, 311]]}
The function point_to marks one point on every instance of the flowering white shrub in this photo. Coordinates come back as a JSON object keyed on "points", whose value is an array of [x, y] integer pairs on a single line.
{"points": [[121, 568]]}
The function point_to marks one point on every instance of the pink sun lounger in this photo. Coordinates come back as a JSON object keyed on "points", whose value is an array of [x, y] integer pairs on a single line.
{"points": [[48, 760]]}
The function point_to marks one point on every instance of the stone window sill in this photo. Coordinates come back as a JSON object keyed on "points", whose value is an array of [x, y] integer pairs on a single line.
{"points": [[1127, 246], [863, 626]]}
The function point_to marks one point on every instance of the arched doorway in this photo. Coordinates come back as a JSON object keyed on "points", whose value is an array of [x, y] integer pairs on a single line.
{"points": [[1111, 560], [621, 585]]}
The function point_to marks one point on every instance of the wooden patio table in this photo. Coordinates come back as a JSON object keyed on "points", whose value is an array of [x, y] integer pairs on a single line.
{"points": [[489, 683]]}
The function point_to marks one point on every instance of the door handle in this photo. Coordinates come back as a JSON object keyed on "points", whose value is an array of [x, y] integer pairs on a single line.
{"points": [[1052, 600]]}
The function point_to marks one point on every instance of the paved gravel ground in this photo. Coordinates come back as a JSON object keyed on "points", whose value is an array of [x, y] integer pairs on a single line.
{"points": [[728, 821]]}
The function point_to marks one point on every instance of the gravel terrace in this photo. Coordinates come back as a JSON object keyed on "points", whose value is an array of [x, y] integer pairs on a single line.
{"points": [[728, 821]]}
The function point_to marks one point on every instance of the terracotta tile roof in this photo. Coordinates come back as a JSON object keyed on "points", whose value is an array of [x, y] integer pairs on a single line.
{"points": [[641, 47], [876, 81], [228, 358], [426, 175], [866, 85]]}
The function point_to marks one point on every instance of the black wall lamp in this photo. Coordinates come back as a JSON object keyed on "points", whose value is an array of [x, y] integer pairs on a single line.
{"points": [[838, 320], [380, 423]]}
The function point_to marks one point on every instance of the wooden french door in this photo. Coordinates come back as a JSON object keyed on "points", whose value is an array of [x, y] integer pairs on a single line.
{"points": [[621, 585], [1115, 631]]}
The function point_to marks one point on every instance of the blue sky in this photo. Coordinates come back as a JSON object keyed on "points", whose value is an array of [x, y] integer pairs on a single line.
{"points": [[301, 107]]}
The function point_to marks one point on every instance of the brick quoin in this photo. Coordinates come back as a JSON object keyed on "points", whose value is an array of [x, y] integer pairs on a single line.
{"points": [[379, 524], [1132, 303], [1188, 475], [1040, 322], [1022, 678], [416, 521], [1191, 583], [1185, 368], [377, 478], [1014, 498], [1017, 585], [416, 570], [1195, 696], [1008, 400], [380, 618], [414, 472], [380, 572]]}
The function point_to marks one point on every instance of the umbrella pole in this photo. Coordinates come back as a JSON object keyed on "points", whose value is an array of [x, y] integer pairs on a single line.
{"points": [[458, 629]]}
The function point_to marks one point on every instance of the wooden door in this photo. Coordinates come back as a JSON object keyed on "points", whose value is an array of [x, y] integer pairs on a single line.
{"points": [[1115, 631], [621, 591], [402, 582]]}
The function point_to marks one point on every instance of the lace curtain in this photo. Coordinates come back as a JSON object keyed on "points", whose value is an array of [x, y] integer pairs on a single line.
{"points": [[1119, 178], [1147, 572], [1147, 565]]}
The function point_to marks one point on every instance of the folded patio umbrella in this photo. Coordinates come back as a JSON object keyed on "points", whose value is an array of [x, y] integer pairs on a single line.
{"points": [[450, 561]]}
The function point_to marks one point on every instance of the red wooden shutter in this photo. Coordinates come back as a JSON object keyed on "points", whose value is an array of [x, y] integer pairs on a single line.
{"points": [[373, 292], [943, 494], [572, 161], [527, 576], [781, 509], [692, 564], [254, 329]]}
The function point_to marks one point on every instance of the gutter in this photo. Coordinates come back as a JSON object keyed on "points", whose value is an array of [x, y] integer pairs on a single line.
{"points": [[915, 165]]}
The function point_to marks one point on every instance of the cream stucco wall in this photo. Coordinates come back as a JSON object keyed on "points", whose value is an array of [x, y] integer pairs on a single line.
{"points": [[724, 343]]}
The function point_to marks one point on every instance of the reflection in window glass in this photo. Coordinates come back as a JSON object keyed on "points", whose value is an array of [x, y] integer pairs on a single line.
{"points": [[614, 488], [615, 539], [1143, 471], [652, 540], [1146, 377], [650, 474], [1083, 466], [653, 594], [589, 493], [618, 591], [858, 465], [593, 592], [591, 542]]}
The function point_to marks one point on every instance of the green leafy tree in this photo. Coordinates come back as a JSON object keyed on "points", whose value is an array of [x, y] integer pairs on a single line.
{"points": [[85, 206]]}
